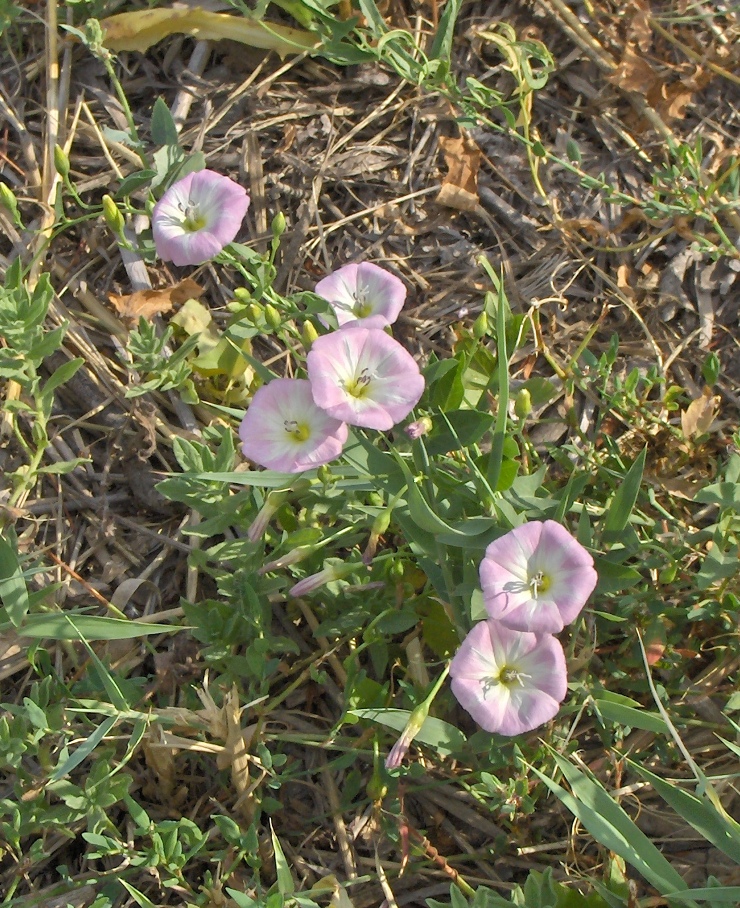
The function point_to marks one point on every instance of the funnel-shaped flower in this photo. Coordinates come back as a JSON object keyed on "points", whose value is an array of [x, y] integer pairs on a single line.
{"points": [[197, 217], [364, 291], [364, 377], [284, 430], [510, 682], [537, 578]]}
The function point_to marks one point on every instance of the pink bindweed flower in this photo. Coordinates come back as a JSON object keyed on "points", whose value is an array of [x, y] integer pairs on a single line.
{"points": [[364, 291], [509, 681], [536, 578], [364, 377], [421, 427], [197, 217], [331, 571], [284, 430]]}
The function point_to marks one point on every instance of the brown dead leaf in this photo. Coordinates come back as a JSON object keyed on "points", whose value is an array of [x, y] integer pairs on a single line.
{"points": [[698, 417], [141, 29], [148, 303], [634, 73], [640, 32], [460, 187]]}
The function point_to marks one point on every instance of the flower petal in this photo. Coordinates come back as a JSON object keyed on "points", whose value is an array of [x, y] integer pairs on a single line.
{"points": [[363, 292], [279, 410], [529, 697], [364, 377]]}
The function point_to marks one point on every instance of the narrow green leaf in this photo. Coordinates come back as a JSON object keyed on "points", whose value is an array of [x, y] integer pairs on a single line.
{"points": [[73, 625], [443, 737], [13, 590], [61, 375], [285, 882], [727, 895], [611, 826], [722, 831], [629, 715], [625, 497], [84, 750]]}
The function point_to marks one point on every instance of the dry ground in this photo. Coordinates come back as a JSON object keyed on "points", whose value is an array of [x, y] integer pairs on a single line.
{"points": [[355, 159]]}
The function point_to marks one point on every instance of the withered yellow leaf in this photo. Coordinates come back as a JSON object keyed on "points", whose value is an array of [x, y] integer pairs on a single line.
{"points": [[698, 417], [460, 187], [148, 303], [141, 29]]}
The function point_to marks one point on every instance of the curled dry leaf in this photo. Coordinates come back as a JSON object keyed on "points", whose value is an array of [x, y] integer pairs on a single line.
{"points": [[460, 187], [148, 303], [698, 417], [141, 29]]}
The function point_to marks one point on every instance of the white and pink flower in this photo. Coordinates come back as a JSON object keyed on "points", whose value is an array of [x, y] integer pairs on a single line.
{"points": [[197, 217], [363, 292], [363, 377], [284, 430]]}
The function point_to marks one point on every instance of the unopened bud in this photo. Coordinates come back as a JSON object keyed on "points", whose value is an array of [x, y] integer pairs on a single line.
{"points": [[9, 201], [324, 474], [380, 525], [309, 334], [254, 312], [278, 225], [421, 427], [480, 326], [61, 162], [113, 217], [272, 317], [243, 295], [523, 404]]}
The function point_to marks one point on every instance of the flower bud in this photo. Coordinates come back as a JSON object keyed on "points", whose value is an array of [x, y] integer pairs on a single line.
{"points": [[9, 201], [113, 217], [61, 162], [254, 312], [243, 294], [523, 403], [480, 326], [272, 317], [309, 334], [278, 225], [421, 427]]}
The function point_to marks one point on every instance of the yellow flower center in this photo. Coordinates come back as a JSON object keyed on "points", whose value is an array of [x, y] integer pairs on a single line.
{"points": [[300, 431], [193, 220], [539, 583], [360, 386]]}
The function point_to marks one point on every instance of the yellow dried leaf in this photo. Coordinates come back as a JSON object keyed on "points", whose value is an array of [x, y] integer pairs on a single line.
{"points": [[460, 186], [698, 417], [141, 29], [148, 303]]}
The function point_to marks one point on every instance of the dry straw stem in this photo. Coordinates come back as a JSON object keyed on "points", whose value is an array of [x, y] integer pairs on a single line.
{"points": [[577, 32]]}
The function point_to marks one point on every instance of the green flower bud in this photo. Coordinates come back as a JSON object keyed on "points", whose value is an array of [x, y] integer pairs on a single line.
{"points": [[113, 217], [278, 225], [309, 334], [243, 295], [272, 317], [480, 326], [523, 404], [254, 312], [9, 201], [61, 162]]}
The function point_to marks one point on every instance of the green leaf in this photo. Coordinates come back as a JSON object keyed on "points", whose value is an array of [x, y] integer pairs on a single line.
{"points": [[242, 900], [728, 896], [625, 497], [629, 715], [164, 128], [610, 825], [73, 625], [722, 831], [61, 375], [134, 181], [13, 590], [84, 750], [443, 737], [285, 882]]}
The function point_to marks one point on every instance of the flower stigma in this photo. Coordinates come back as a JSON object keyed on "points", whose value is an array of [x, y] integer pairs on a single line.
{"points": [[539, 583], [299, 431], [359, 387]]}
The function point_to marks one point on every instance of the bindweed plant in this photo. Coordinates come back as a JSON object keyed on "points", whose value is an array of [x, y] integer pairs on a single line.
{"points": [[386, 577]]}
